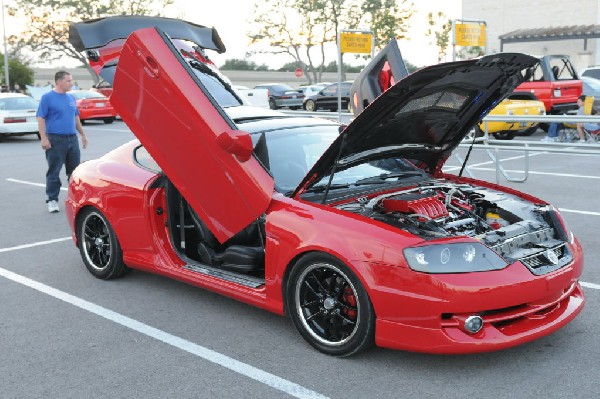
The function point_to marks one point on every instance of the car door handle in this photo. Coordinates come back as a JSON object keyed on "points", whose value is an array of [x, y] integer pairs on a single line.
{"points": [[150, 65]]}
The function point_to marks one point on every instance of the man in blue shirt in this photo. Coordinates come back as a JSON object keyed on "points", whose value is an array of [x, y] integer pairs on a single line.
{"points": [[58, 122]]}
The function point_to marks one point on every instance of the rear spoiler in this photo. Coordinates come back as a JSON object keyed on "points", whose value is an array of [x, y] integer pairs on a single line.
{"points": [[96, 33]]}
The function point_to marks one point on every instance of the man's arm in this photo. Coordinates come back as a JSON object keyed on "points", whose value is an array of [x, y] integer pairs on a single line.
{"points": [[79, 128], [42, 129]]}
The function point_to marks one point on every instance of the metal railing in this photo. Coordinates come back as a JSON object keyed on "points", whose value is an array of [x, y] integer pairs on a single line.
{"points": [[492, 147]]}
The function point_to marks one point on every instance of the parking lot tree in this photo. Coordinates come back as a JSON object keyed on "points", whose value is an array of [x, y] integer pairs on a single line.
{"points": [[236, 64], [47, 23], [306, 30], [18, 71], [439, 29]]}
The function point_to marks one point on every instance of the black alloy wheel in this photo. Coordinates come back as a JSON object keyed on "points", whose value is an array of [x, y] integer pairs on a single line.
{"points": [[330, 307], [98, 245]]}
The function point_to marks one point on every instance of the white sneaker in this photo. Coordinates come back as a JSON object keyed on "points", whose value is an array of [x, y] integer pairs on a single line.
{"points": [[549, 139], [53, 206]]}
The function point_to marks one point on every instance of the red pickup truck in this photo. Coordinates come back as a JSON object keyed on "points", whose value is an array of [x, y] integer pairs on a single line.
{"points": [[553, 81]]}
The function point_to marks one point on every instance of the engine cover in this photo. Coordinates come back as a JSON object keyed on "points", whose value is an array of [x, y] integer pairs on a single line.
{"points": [[422, 204]]}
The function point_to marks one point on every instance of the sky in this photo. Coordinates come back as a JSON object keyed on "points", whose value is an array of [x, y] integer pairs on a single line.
{"points": [[232, 20]]}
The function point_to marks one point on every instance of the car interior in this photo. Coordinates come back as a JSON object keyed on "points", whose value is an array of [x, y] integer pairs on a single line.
{"points": [[241, 258]]}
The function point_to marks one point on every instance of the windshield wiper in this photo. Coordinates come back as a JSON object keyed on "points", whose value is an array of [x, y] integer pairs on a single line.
{"points": [[319, 188], [384, 176]]}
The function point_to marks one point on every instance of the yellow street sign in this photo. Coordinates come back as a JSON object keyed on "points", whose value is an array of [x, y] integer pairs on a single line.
{"points": [[470, 34], [355, 42]]}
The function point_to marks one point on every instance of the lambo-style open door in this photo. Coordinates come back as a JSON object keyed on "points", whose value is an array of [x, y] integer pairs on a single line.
{"points": [[172, 104], [385, 70]]}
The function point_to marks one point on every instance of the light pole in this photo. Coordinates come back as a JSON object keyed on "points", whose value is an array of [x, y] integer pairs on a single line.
{"points": [[6, 78]]}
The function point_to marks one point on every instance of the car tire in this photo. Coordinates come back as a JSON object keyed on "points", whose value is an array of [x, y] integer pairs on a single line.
{"points": [[99, 246], [108, 121], [329, 306], [272, 104], [506, 135], [310, 106], [529, 131]]}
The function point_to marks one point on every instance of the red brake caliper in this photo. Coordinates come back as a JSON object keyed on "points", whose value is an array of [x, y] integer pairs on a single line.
{"points": [[350, 300]]}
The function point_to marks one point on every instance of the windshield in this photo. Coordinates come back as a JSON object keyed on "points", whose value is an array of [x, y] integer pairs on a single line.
{"points": [[17, 103], [218, 85], [291, 152]]}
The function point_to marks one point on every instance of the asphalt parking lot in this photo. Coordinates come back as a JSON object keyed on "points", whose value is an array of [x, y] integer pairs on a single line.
{"points": [[65, 334]]}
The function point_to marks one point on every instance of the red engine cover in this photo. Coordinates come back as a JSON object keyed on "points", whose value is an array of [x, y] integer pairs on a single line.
{"points": [[416, 203]]}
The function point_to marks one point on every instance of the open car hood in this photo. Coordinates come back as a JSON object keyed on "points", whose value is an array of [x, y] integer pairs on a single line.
{"points": [[102, 39], [424, 116]]}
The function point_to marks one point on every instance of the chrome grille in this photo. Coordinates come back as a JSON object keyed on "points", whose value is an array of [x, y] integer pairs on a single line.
{"points": [[540, 260]]}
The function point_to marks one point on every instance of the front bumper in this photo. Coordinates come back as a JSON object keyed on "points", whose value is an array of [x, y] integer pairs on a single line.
{"points": [[502, 330]]}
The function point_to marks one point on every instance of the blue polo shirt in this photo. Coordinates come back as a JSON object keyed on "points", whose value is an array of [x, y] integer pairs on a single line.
{"points": [[59, 111]]}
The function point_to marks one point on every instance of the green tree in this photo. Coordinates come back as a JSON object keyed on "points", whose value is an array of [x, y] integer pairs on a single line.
{"points": [[410, 67], [303, 29], [468, 52], [387, 19], [48, 21], [439, 28], [237, 64], [18, 72]]}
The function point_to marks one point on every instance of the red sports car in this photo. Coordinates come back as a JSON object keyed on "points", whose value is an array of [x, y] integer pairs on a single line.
{"points": [[354, 232], [93, 106]]}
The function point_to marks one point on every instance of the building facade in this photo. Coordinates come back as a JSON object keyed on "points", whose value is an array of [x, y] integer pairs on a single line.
{"points": [[504, 16]]}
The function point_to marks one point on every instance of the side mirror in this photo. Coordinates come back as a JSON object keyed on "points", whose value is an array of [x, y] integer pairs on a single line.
{"points": [[237, 143]]}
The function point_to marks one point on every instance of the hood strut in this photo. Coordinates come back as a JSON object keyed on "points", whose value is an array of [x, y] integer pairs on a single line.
{"points": [[468, 154], [334, 167]]}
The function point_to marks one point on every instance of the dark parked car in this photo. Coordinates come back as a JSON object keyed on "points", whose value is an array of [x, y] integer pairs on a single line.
{"points": [[282, 95], [328, 97], [357, 234]]}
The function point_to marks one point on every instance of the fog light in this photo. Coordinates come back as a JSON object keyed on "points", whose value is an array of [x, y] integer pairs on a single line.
{"points": [[473, 324]]}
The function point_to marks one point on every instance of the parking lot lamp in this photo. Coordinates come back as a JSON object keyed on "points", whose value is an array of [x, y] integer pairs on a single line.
{"points": [[6, 79]]}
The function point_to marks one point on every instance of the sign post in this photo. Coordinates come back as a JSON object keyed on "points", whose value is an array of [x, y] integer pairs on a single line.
{"points": [[468, 33], [352, 41]]}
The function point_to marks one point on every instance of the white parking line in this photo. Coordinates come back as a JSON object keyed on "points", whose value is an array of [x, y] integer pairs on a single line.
{"points": [[542, 173], [590, 285], [450, 168], [30, 183], [244, 369], [579, 212], [35, 244]]}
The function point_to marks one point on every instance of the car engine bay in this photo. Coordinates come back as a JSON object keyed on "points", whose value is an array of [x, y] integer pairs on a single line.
{"points": [[514, 228]]}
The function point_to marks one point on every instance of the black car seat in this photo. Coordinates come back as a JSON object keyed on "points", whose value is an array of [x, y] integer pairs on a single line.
{"points": [[243, 253]]}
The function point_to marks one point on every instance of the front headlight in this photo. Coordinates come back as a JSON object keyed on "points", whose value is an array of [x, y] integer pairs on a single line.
{"points": [[453, 258]]}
